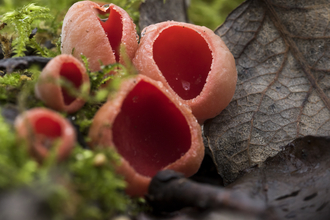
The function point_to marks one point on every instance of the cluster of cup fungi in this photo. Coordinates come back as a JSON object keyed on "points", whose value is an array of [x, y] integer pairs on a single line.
{"points": [[186, 75]]}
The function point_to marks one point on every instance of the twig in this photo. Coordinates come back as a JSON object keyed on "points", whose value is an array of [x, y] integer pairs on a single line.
{"points": [[170, 191], [11, 64]]}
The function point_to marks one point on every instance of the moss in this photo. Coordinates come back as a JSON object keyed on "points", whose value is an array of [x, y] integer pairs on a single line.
{"points": [[211, 13], [95, 180], [85, 186], [10, 87], [17, 168], [48, 21], [22, 20]]}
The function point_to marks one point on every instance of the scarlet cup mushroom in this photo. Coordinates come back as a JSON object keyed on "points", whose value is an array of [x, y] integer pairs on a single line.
{"points": [[48, 87], [42, 129], [84, 33], [151, 130], [192, 62]]}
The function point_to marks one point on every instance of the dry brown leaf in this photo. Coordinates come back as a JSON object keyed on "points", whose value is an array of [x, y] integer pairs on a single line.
{"points": [[295, 183], [283, 89]]}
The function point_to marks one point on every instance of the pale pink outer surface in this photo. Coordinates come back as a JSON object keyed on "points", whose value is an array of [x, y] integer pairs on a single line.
{"points": [[83, 34], [50, 93], [220, 82], [24, 123], [100, 134]]}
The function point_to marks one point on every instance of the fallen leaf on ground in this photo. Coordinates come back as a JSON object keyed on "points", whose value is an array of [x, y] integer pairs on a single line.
{"points": [[282, 58], [295, 183]]}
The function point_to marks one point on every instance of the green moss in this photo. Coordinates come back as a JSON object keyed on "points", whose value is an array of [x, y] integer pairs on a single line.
{"points": [[24, 17], [10, 86], [17, 169], [211, 13], [85, 186], [22, 20], [11, 80], [95, 180]]}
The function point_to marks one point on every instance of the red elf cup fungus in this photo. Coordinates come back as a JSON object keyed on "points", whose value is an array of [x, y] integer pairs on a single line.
{"points": [[43, 129], [84, 33], [48, 87], [151, 130], [190, 61]]}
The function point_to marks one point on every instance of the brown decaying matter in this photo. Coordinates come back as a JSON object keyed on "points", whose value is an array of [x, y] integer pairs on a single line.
{"points": [[169, 191], [151, 129]]}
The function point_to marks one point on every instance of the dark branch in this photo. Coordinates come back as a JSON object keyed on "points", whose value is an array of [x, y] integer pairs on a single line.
{"points": [[170, 191], [11, 64]]}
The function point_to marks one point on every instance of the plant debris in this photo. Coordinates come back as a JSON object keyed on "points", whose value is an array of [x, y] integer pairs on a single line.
{"points": [[20, 63], [169, 191], [295, 182], [291, 185], [283, 87]]}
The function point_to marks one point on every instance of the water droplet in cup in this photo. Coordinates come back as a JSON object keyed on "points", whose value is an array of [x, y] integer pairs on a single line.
{"points": [[185, 85]]}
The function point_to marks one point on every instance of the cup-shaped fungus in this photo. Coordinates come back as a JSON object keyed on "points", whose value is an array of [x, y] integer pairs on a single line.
{"points": [[84, 33], [190, 61], [151, 130], [57, 96], [43, 129]]}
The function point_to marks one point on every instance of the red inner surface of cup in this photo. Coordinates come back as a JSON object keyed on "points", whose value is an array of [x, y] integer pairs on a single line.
{"points": [[48, 127], [184, 58], [113, 28], [150, 132], [71, 73]]}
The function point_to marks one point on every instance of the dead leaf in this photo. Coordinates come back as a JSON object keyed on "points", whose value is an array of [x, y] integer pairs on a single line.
{"points": [[294, 183], [193, 214], [283, 89]]}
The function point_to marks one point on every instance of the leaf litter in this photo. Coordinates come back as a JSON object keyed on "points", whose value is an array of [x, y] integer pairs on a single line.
{"points": [[294, 184], [283, 88]]}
